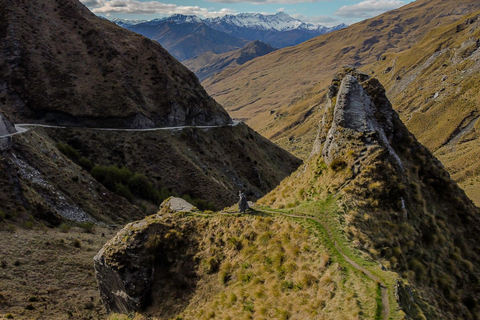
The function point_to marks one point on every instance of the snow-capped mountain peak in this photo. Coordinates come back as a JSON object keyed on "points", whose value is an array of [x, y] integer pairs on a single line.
{"points": [[180, 18], [270, 28], [275, 22]]}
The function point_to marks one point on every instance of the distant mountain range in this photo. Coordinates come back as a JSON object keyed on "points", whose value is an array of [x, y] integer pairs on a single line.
{"points": [[208, 63], [189, 39], [178, 32]]}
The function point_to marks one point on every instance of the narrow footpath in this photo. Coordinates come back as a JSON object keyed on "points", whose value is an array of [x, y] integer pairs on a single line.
{"points": [[368, 274]]}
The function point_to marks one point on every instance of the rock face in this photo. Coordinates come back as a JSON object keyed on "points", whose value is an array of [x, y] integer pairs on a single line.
{"points": [[404, 207], [5, 126], [399, 204], [356, 112], [156, 253], [61, 64], [124, 289]]}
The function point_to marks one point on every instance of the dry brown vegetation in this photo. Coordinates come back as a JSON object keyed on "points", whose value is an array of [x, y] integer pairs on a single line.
{"points": [[209, 63], [48, 273]]}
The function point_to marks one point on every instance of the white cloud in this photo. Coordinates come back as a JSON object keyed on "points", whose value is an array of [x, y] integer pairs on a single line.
{"points": [[107, 7], [90, 3], [368, 8], [327, 21], [266, 1]]}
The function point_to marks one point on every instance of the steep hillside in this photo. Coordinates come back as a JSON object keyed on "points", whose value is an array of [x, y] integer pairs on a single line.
{"points": [[398, 203], [188, 39], [433, 86], [38, 182], [195, 266], [61, 64], [207, 64], [210, 164], [280, 94]]}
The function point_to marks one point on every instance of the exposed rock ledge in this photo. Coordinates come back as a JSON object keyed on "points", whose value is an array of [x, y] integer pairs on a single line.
{"points": [[5, 126]]}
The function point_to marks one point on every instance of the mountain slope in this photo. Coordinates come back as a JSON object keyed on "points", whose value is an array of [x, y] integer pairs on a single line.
{"points": [[185, 39], [398, 203], [279, 94], [207, 64], [433, 87], [62, 64], [390, 235], [210, 163]]}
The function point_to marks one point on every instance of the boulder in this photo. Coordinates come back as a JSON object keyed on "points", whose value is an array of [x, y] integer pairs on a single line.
{"points": [[176, 205], [147, 260]]}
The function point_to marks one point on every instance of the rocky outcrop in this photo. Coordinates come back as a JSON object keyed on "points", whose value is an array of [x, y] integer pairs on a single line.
{"points": [[125, 284], [147, 256], [354, 113], [5, 126], [402, 205]]}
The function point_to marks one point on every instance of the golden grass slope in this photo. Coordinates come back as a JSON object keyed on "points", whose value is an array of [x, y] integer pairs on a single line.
{"points": [[416, 221], [434, 87], [279, 94], [246, 267]]}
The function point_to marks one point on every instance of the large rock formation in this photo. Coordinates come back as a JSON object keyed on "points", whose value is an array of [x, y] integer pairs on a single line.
{"points": [[399, 203], [61, 64], [356, 112], [148, 259]]}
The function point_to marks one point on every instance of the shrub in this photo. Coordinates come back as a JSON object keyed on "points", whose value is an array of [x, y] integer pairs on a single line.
{"points": [[123, 191], [77, 244], [64, 228], [338, 165], [2, 215], [86, 163], [88, 226], [28, 225], [11, 228], [140, 186], [9, 316], [68, 151]]}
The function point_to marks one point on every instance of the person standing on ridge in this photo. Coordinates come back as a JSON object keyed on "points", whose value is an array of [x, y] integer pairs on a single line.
{"points": [[242, 204]]}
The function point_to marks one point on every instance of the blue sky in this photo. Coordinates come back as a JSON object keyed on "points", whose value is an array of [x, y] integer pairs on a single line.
{"points": [[325, 12]]}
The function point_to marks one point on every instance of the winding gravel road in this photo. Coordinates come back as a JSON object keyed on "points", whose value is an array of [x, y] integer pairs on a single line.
{"points": [[24, 127]]}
